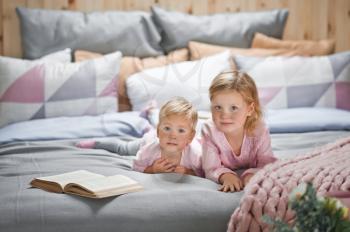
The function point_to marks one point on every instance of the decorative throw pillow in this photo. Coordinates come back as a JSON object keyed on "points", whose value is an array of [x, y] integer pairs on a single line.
{"points": [[41, 89], [287, 82], [307, 47], [131, 32], [199, 50], [189, 79], [227, 29], [131, 65]]}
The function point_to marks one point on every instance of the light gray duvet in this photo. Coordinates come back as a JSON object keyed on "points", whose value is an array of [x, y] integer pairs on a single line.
{"points": [[170, 202]]}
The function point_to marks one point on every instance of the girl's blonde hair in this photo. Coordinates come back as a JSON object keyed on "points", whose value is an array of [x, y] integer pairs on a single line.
{"points": [[244, 85], [179, 106]]}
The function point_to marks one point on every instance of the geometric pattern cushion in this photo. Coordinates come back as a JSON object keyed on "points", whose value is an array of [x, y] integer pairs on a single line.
{"points": [[288, 82], [46, 89]]}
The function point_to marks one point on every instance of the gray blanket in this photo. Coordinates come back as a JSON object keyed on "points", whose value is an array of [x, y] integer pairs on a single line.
{"points": [[170, 202]]}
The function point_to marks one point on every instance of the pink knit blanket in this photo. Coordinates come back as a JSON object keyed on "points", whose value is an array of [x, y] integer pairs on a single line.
{"points": [[327, 167]]}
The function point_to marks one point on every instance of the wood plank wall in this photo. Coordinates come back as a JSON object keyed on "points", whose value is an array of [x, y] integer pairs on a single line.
{"points": [[308, 19]]}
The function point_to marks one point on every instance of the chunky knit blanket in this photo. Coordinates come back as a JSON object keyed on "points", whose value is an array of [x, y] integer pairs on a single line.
{"points": [[327, 168]]}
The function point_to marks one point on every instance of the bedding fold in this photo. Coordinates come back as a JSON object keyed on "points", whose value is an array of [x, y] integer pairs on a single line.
{"points": [[128, 124]]}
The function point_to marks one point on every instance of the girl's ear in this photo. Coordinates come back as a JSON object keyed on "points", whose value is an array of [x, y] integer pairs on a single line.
{"points": [[158, 131], [193, 133]]}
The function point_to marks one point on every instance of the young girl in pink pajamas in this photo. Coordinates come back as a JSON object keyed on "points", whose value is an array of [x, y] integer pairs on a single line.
{"points": [[175, 150], [171, 148], [236, 137]]}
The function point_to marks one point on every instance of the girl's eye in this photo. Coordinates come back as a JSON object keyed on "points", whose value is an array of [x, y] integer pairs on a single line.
{"points": [[234, 108], [182, 131], [217, 108], [166, 128]]}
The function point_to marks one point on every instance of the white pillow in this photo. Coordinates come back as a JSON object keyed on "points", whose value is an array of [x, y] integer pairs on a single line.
{"points": [[42, 89], [64, 56], [190, 79]]}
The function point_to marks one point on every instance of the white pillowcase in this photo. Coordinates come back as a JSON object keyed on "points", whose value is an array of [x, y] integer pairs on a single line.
{"points": [[42, 89], [64, 56], [190, 79], [14, 67]]}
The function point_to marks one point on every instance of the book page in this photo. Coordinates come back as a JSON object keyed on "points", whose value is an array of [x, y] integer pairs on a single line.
{"points": [[69, 177], [102, 187]]}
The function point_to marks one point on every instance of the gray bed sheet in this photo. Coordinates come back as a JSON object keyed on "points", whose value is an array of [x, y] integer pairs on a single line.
{"points": [[289, 145], [170, 202]]}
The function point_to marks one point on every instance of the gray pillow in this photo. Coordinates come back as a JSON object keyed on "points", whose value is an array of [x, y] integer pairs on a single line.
{"points": [[45, 31], [227, 29]]}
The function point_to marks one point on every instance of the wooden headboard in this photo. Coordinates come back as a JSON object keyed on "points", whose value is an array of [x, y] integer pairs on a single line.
{"points": [[308, 19]]}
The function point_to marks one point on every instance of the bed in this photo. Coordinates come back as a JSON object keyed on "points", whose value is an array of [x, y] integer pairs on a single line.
{"points": [[81, 100], [170, 202]]}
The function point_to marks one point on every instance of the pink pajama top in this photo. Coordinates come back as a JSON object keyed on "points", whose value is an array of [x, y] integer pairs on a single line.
{"points": [[218, 157], [150, 151]]}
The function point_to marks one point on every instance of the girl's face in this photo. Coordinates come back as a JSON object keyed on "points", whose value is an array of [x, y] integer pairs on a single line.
{"points": [[175, 133], [230, 111]]}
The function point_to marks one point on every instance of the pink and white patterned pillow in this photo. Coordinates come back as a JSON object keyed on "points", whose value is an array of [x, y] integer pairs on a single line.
{"points": [[42, 89], [289, 82]]}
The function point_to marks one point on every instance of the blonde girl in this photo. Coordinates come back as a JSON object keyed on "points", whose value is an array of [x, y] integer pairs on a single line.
{"points": [[169, 148], [236, 137]]}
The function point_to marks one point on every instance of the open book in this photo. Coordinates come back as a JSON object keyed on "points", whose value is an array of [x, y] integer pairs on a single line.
{"points": [[87, 184]]}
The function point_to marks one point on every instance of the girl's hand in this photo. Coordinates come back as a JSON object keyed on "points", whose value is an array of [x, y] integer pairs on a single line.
{"points": [[183, 170], [230, 183], [247, 178], [162, 165]]}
